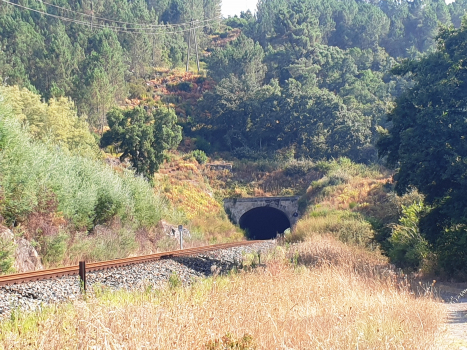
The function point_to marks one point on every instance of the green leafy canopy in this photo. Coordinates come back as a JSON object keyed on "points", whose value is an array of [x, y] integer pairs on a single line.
{"points": [[427, 140], [142, 137]]}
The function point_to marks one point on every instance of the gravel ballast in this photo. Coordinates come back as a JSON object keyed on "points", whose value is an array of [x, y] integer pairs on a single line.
{"points": [[33, 295]]}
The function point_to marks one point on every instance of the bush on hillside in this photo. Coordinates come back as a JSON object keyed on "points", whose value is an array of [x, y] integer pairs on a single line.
{"points": [[7, 250], [115, 244], [298, 167], [343, 165], [203, 145], [55, 122], [87, 191], [408, 248], [347, 226], [248, 153], [452, 251], [200, 156], [53, 249]]}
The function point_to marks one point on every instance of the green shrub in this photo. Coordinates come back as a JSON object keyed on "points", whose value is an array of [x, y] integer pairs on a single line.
{"points": [[138, 89], [183, 86], [200, 156], [248, 153], [451, 249], [323, 166], [298, 167], [408, 248], [53, 249], [347, 226], [7, 251], [174, 281], [344, 168], [106, 208], [88, 192], [203, 145], [104, 246]]}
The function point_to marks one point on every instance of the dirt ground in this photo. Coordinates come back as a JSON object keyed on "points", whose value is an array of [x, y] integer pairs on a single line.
{"points": [[454, 296]]}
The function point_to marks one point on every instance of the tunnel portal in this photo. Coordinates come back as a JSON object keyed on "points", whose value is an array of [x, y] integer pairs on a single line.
{"points": [[264, 223], [263, 217]]}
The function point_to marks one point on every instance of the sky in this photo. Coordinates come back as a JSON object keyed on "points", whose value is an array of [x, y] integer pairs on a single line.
{"points": [[234, 7]]}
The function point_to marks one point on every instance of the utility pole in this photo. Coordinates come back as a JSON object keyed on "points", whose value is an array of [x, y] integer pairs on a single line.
{"points": [[153, 44], [189, 48], [196, 46], [92, 15], [192, 33]]}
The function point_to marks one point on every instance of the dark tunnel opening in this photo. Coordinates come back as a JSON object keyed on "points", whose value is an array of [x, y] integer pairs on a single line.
{"points": [[264, 223]]}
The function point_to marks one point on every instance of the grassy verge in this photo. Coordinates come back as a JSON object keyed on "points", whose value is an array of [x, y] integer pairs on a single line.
{"points": [[184, 182], [344, 225], [320, 294]]}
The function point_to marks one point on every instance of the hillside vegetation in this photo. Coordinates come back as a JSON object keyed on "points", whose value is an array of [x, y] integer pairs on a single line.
{"points": [[104, 139], [356, 107], [95, 65], [55, 197]]}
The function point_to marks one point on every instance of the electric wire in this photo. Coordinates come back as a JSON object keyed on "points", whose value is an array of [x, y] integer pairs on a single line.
{"points": [[118, 29], [128, 23]]}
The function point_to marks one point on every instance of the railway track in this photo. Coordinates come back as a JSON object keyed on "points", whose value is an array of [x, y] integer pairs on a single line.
{"points": [[74, 269]]}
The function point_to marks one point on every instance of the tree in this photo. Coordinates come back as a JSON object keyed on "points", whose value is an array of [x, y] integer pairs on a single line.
{"points": [[427, 143], [320, 124], [243, 58], [297, 29], [142, 137], [103, 77], [55, 122]]}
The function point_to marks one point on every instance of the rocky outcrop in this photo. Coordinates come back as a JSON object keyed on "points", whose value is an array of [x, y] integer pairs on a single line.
{"points": [[222, 166], [26, 257], [6, 234]]}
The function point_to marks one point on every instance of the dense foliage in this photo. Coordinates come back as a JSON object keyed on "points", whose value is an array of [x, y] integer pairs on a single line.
{"points": [[314, 75], [55, 122], [58, 58], [300, 78], [427, 141], [52, 192], [142, 137]]}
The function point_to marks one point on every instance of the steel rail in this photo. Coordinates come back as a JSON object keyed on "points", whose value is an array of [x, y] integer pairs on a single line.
{"points": [[102, 265]]}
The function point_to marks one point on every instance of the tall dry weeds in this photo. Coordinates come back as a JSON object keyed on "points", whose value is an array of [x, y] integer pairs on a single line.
{"points": [[336, 302]]}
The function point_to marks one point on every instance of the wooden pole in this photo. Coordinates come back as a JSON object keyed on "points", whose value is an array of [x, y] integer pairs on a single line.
{"points": [[82, 275]]}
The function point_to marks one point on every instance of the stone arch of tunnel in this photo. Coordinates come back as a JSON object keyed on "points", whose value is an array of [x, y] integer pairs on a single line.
{"points": [[264, 222]]}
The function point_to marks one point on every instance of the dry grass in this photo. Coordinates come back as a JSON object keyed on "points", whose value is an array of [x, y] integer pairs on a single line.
{"points": [[343, 299], [363, 193], [184, 184], [346, 226]]}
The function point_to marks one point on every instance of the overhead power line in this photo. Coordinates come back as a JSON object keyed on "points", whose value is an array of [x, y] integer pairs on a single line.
{"points": [[146, 30], [122, 22]]}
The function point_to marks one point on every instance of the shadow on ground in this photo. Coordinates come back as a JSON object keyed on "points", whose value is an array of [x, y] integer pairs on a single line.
{"points": [[206, 265]]}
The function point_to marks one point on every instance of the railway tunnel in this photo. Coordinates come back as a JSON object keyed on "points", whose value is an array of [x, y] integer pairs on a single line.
{"points": [[264, 223], [263, 217]]}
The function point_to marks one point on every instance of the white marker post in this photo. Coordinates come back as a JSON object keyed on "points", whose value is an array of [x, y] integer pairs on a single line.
{"points": [[180, 229]]}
